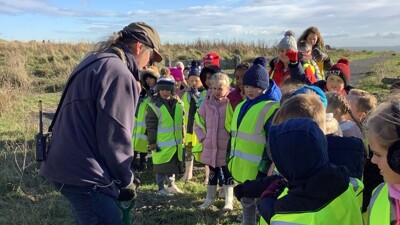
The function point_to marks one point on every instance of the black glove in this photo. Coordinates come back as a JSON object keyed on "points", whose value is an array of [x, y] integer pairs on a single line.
{"points": [[238, 191], [274, 189], [129, 193], [319, 55]]}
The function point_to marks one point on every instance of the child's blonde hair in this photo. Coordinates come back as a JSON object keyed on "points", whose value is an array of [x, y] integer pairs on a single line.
{"points": [[220, 79], [338, 101], [302, 105], [165, 71], [365, 101], [382, 123]]}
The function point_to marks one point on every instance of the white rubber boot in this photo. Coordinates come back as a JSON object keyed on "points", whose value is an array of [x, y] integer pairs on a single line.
{"points": [[228, 189], [210, 199], [188, 175], [207, 173]]}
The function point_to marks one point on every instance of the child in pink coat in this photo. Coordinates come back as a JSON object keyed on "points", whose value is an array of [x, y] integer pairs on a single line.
{"points": [[214, 136]]}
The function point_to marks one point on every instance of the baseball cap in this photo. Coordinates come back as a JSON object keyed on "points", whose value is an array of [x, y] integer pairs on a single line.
{"points": [[147, 35]]}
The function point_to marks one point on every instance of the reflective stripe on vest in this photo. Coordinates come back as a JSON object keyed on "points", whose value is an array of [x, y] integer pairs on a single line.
{"points": [[248, 141], [379, 206], [344, 209], [139, 138], [169, 133], [308, 64], [358, 187]]}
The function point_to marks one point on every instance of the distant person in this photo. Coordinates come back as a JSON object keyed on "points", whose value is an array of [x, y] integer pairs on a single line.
{"points": [[279, 66], [312, 36], [337, 78], [237, 95], [91, 147], [149, 79], [180, 88], [211, 59], [286, 65], [310, 67]]}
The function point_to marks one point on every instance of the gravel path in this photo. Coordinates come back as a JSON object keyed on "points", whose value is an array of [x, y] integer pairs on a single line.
{"points": [[360, 67]]}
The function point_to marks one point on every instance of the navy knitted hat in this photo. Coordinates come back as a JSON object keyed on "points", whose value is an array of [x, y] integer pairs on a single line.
{"points": [[299, 148], [316, 90], [194, 71], [256, 76], [261, 61], [166, 83]]}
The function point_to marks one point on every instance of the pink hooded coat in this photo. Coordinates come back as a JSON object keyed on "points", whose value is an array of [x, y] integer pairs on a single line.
{"points": [[215, 140]]}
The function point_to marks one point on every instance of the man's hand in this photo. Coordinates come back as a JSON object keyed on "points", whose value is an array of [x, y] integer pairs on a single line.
{"points": [[129, 193]]}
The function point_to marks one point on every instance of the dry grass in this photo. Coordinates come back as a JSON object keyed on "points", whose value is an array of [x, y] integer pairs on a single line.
{"points": [[32, 71]]}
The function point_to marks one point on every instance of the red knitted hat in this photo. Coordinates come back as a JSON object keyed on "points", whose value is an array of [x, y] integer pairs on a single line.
{"points": [[341, 69], [211, 58]]}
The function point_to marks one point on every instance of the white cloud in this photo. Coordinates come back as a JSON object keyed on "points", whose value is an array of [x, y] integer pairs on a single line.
{"points": [[344, 23]]}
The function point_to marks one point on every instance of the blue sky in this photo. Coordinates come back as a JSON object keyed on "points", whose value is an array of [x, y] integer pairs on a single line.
{"points": [[342, 23]]}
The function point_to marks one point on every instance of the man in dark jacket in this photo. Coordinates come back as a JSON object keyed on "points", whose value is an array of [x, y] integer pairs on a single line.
{"points": [[91, 151]]}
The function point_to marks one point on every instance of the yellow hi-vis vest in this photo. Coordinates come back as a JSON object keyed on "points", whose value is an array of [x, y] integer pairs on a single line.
{"points": [[190, 138], [248, 141], [379, 206], [169, 133], [139, 137], [344, 209], [308, 64], [358, 187]]}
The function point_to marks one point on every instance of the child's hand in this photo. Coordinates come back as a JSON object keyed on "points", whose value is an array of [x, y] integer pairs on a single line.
{"points": [[292, 55], [274, 189]]}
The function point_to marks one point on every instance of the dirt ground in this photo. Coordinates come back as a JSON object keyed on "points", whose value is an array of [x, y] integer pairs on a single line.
{"points": [[359, 67]]}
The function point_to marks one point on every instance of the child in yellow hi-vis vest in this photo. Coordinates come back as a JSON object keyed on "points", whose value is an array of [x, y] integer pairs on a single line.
{"points": [[250, 123], [148, 79], [164, 122]]}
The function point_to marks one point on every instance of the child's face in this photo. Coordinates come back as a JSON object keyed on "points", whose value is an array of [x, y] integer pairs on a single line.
{"points": [[252, 92], [220, 90], [334, 83], [150, 81], [195, 82], [380, 159], [165, 94], [282, 55], [304, 52], [312, 39], [239, 79], [178, 84]]}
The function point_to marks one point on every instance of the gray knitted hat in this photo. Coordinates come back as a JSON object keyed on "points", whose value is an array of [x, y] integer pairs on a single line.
{"points": [[288, 42]]}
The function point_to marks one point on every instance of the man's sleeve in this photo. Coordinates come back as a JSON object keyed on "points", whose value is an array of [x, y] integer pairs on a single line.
{"points": [[117, 97]]}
